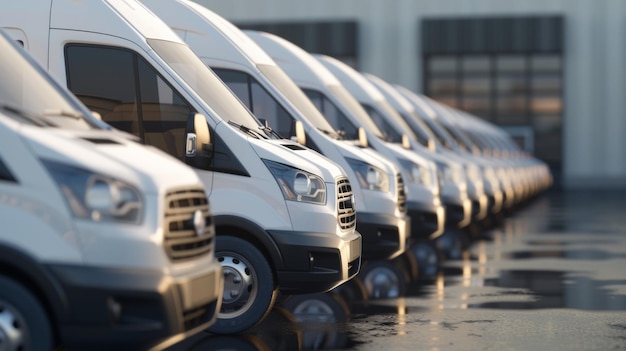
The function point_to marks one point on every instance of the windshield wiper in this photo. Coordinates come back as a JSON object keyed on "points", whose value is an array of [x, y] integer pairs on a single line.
{"points": [[268, 130], [62, 113], [37, 120], [247, 130], [335, 135]]}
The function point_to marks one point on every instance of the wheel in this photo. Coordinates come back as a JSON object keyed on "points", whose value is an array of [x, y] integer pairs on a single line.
{"points": [[383, 279], [451, 244], [428, 258], [319, 314], [249, 288], [317, 308], [24, 323]]}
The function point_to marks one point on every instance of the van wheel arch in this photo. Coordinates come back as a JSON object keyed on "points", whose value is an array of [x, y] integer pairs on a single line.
{"points": [[253, 233], [24, 270]]}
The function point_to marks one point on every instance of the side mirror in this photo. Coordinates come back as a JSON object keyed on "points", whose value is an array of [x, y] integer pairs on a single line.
{"points": [[406, 142], [198, 145], [300, 134], [362, 138], [431, 145]]}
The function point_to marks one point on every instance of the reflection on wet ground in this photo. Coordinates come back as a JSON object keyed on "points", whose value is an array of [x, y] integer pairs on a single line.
{"points": [[552, 276]]}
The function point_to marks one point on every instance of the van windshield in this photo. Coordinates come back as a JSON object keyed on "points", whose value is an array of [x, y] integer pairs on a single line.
{"points": [[205, 83], [353, 106], [293, 93], [27, 91]]}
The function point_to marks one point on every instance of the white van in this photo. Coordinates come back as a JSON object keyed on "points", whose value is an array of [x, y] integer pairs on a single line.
{"points": [[432, 120], [402, 121], [273, 97], [284, 215], [454, 185], [424, 113], [344, 113], [105, 243]]}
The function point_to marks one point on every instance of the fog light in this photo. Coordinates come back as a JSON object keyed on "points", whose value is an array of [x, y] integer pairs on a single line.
{"points": [[115, 310]]}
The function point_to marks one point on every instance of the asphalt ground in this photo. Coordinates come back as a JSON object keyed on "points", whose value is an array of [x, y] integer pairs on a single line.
{"points": [[551, 276]]}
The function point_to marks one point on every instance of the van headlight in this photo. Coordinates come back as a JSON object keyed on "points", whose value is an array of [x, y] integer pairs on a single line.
{"points": [[370, 177], [445, 172], [96, 197], [417, 173], [298, 185]]}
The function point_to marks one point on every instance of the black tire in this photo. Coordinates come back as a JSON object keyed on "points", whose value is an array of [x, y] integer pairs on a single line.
{"points": [[428, 258], [451, 244], [249, 287], [383, 279], [23, 316]]}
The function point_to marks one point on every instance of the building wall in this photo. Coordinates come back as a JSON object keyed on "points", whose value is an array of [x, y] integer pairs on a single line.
{"points": [[595, 51]]}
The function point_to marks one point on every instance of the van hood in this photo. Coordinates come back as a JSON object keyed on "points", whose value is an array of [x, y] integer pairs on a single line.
{"points": [[293, 154], [111, 153], [349, 149]]}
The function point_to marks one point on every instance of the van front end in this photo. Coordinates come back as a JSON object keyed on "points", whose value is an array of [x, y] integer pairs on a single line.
{"points": [[322, 248], [148, 277], [120, 252]]}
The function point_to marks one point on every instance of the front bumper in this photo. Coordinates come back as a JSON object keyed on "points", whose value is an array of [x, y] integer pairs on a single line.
{"points": [[458, 212], [135, 309], [427, 220], [495, 202], [480, 208], [316, 262], [383, 236]]}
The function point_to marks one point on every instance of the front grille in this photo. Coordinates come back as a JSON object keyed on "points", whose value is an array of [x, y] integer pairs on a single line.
{"points": [[346, 212], [180, 238], [401, 193], [353, 267], [198, 316]]}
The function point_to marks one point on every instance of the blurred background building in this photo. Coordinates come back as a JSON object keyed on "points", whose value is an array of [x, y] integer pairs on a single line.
{"points": [[551, 72]]}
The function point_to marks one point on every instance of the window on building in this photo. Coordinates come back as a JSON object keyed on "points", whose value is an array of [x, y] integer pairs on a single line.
{"points": [[508, 71]]}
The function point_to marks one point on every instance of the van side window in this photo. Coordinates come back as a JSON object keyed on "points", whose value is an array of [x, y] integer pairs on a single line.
{"points": [[333, 115], [258, 100], [129, 94]]}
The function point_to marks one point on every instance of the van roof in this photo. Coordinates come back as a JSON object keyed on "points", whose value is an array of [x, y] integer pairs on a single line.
{"points": [[114, 17], [354, 81], [295, 61], [194, 22], [396, 99]]}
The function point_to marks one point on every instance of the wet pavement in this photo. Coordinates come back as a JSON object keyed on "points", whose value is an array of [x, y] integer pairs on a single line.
{"points": [[552, 276]]}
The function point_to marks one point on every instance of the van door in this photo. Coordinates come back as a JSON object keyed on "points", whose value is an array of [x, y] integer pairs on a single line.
{"points": [[111, 77]]}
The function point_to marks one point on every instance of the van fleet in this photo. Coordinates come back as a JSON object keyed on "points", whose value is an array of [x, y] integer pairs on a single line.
{"points": [[284, 215], [344, 113], [105, 243], [271, 95]]}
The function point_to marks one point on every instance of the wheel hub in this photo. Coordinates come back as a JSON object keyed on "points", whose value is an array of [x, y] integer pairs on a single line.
{"points": [[382, 283], [314, 311], [12, 329], [239, 285]]}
